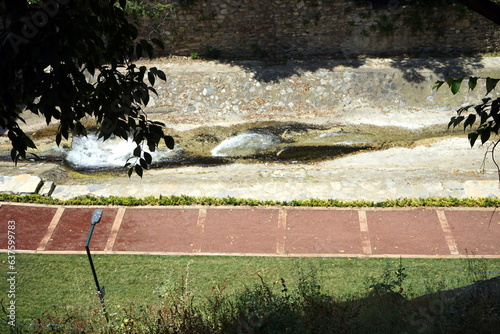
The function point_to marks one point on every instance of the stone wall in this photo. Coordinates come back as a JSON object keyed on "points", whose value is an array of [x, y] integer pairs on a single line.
{"points": [[328, 28], [361, 91]]}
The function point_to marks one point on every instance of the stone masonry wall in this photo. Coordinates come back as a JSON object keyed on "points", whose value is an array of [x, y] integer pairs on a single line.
{"points": [[323, 28], [383, 91]]}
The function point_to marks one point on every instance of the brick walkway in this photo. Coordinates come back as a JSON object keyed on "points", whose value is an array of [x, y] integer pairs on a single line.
{"points": [[266, 231]]}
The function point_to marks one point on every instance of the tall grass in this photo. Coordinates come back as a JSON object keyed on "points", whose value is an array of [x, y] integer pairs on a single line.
{"points": [[153, 294]]}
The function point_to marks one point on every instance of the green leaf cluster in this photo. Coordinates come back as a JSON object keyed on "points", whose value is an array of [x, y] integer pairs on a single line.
{"points": [[67, 61], [484, 116]]}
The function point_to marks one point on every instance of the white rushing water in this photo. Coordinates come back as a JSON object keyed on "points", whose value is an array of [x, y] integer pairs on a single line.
{"points": [[91, 152], [244, 144]]}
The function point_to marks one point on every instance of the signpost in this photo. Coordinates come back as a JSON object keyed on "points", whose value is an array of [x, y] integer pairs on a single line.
{"points": [[96, 217]]}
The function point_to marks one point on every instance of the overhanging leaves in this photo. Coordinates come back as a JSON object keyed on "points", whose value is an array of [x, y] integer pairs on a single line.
{"points": [[485, 134], [437, 84], [89, 47], [148, 158], [138, 170], [469, 121], [169, 142], [488, 112], [158, 43], [472, 138], [472, 83], [454, 84], [491, 84]]}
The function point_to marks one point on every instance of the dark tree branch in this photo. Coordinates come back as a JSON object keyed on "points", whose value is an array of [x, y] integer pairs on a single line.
{"points": [[486, 8], [493, 157]]}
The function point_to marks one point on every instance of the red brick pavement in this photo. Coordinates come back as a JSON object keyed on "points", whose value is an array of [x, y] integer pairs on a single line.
{"points": [[274, 231]]}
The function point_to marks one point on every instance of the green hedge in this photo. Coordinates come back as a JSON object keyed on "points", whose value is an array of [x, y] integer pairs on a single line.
{"points": [[211, 201]]}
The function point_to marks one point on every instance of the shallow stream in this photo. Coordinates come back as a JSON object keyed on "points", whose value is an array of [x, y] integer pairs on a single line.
{"points": [[249, 143]]}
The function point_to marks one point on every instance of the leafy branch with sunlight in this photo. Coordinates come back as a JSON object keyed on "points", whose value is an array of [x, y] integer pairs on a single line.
{"points": [[483, 119], [68, 61]]}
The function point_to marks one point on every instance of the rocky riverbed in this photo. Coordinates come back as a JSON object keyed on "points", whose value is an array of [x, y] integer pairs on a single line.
{"points": [[367, 129]]}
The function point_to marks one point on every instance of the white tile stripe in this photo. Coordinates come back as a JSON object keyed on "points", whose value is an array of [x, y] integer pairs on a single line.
{"points": [[114, 229], [450, 241], [281, 237], [200, 224], [202, 215], [50, 230], [363, 226]]}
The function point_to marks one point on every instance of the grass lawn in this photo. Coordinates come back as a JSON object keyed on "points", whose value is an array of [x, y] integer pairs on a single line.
{"points": [[65, 282]]}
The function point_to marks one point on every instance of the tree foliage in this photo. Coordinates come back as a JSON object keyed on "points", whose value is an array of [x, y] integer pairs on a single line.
{"points": [[67, 60], [482, 119], [489, 9], [486, 8]]}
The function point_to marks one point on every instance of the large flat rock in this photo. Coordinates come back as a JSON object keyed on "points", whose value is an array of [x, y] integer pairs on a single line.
{"points": [[20, 184]]}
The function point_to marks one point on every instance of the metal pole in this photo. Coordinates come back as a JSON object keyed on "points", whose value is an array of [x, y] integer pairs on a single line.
{"points": [[96, 217]]}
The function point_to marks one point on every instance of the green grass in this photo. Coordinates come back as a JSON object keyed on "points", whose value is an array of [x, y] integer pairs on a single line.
{"points": [[55, 283]]}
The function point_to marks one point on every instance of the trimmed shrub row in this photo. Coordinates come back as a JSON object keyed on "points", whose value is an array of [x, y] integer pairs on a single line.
{"points": [[231, 201]]}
